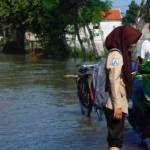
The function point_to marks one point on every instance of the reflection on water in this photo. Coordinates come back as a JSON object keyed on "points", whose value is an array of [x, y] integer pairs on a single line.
{"points": [[39, 108]]}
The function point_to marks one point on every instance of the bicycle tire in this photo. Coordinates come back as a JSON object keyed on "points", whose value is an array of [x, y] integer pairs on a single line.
{"points": [[85, 101]]}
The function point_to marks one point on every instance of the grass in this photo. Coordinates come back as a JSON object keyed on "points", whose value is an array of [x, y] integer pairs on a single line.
{"points": [[77, 53]]}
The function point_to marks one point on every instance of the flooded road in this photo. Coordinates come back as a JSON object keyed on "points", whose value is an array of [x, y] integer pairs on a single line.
{"points": [[39, 109]]}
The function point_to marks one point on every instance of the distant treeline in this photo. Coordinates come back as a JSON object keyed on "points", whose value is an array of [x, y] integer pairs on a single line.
{"points": [[51, 20]]}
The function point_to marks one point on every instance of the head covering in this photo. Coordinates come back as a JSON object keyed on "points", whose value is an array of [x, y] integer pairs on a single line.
{"points": [[122, 38]]}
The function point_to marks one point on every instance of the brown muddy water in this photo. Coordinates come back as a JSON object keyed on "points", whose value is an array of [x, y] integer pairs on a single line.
{"points": [[39, 109]]}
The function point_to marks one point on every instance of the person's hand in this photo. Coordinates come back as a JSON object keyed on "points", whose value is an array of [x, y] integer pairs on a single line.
{"points": [[118, 113]]}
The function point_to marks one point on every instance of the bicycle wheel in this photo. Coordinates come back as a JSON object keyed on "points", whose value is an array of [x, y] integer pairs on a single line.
{"points": [[85, 101]]}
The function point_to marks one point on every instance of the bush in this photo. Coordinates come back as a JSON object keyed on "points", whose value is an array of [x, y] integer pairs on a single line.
{"points": [[77, 53]]}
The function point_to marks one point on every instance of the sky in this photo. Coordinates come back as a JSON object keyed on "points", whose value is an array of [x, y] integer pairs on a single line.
{"points": [[123, 4]]}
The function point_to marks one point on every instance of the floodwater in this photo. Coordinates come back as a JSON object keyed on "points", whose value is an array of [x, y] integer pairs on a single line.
{"points": [[39, 109]]}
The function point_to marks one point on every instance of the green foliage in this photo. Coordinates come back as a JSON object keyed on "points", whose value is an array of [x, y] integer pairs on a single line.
{"points": [[18, 13], [59, 14], [17, 17], [91, 11], [131, 13], [77, 53], [50, 5], [104, 53], [50, 19], [136, 11], [148, 18]]}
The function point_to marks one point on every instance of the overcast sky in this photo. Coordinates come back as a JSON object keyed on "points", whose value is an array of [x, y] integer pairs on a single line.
{"points": [[123, 4]]}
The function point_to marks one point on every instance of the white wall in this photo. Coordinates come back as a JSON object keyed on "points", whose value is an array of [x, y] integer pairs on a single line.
{"points": [[108, 26], [100, 33]]}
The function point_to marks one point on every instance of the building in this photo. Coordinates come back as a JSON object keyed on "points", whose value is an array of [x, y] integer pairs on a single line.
{"points": [[112, 19]]}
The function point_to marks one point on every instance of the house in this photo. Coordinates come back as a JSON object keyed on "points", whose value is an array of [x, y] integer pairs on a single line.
{"points": [[112, 19], [32, 41]]}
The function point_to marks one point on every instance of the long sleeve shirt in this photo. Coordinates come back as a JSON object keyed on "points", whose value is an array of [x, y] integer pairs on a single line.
{"points": [[117, 97]]}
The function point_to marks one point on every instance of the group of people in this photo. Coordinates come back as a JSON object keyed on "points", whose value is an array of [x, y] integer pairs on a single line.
{"points": [[124, 39]]}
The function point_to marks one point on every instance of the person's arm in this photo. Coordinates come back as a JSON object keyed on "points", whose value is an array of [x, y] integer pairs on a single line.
{"points": [[115, 68], [114, 77], [115, 91]]}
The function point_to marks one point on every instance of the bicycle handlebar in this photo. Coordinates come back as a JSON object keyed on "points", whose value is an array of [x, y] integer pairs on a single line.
{"points": [[85, 68], [82, 70]]}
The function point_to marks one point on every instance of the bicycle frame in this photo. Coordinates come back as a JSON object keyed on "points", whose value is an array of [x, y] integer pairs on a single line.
{"points": [[84, 90]]}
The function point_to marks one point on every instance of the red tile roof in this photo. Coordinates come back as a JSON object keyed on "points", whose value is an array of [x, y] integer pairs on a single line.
{"points": [[113, 14]]}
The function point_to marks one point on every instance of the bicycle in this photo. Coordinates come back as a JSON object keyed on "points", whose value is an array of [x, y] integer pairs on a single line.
{"points": [[85, 91]]}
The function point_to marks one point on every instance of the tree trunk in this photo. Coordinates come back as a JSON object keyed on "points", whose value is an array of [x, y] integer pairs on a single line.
{"points": [[74, 43], [92, 41], [20, 37], [80, 40], [86, 36], [143, 12], [102, 36], [4, 34]]}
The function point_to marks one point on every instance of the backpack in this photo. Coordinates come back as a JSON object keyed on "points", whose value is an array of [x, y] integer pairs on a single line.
{"points": [[100, 79], [101, 85]]}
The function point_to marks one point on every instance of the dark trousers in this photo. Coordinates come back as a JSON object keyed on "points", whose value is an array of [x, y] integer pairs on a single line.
{"points": [[115, 129]]}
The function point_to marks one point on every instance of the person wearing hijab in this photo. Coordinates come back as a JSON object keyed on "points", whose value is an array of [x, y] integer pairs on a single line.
{"points": [[118, 43]]}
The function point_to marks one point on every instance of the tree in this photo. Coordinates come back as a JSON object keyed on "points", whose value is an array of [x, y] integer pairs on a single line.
{"points": [[50, 19], [143, 14], [17, 16], [131, 13], [88, 12], [138, 15], [79, 15], [92, 13]]}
